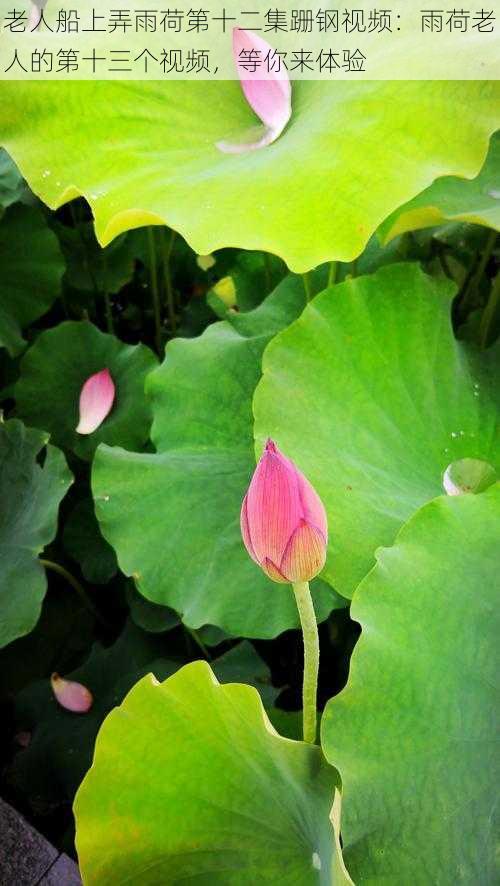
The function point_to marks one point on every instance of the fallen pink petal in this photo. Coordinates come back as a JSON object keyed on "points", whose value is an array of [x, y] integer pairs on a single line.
{"points": [[283, 521], [71, 695], [96, 401], [269, 93]]}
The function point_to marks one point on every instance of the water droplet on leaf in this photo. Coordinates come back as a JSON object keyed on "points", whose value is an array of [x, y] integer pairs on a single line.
{"points": [[468, 475]]}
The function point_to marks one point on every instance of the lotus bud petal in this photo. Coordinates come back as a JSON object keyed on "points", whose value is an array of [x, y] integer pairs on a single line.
{"points": [[96, 400], [70, 695], [226, 291], [283, 521], [269, 93], [205, 262]]}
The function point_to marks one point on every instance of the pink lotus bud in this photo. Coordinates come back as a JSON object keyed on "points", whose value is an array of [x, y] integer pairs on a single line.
{"points": [[269, 93], [70, 695], [283, 521], [96, 399]]}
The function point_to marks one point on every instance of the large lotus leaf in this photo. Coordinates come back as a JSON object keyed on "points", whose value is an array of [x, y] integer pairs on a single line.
{"points": [[144, 152], [90, 268], [453, 199], [54, 370], [84, 543], [62, 635], [11, 181], [413, 732], [61, 745], [173, 516], [190, 782], [32, 267], [149, 616], [373, 397], [30, 496]]}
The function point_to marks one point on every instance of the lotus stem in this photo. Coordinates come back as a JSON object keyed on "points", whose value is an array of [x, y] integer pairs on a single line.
{"points": [[75, 584], [311, 659], [332, 273], [307, 286], [155, 293], [169, 289]]}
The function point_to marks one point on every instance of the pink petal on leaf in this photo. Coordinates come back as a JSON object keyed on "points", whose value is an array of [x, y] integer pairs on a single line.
{"points": [[96, 400], [269, 93], [70, 695]]}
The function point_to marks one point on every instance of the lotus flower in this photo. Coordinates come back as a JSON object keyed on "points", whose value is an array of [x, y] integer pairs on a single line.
{"points": [[96, 399], [70, 695], [283, 521], [268, 93]]}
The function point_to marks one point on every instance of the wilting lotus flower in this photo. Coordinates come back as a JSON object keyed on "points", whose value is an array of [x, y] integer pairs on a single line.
{"points": [[70, 695], [269, 93], [96, 399], [283, 521]]}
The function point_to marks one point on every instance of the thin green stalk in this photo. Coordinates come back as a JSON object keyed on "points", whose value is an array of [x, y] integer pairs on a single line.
{"points": [[490, 312], [311, 659], [64, 304], [107, 301], [473, 279], [155, 292], [267, 271], [169, 289], [75, 584], [443, 261], [307, 285], [85, 258], [110, 326], [332, 273], [487, 253], [194, 636]]}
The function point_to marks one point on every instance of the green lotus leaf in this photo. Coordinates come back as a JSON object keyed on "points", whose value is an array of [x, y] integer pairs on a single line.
{"points": [[59, 754], [413, 732], [92, 269], [242, 664], [32, 268], [62, 635], [173, 516], [30, 496], [191, 782], [84, 542], [453, 199], [372, 396], [351, 154], [249, 277], [11, 181], [54, 370], [149, 616]]}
